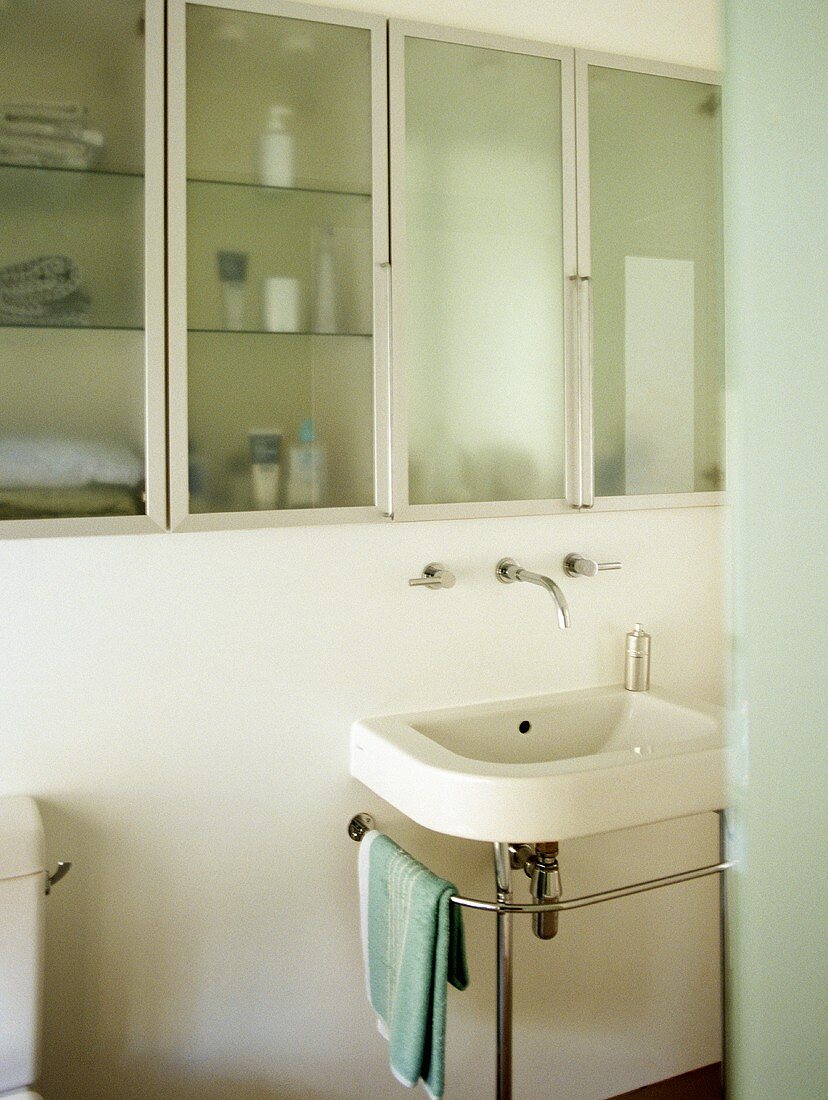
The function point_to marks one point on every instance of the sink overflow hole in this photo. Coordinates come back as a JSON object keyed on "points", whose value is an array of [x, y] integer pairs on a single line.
{"points": [[525, 726]]}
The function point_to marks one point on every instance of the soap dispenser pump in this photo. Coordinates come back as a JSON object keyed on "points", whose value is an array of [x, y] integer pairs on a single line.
{"points": [[637, 662]]}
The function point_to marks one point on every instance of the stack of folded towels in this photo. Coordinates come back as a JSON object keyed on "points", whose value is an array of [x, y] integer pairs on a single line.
{"points": [[46, 476], [43, 291], [47, 135]]}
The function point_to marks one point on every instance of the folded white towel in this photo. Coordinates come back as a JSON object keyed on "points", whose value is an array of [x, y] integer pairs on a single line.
{"points": [[29, 461]]}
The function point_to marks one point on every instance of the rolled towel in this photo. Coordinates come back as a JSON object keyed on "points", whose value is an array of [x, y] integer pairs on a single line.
{"points": [[26, 287]]}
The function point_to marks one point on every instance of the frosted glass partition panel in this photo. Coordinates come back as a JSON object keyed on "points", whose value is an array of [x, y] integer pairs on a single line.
{"points": [[656, 252], [484, 274], [279, 260], [72, 342]]}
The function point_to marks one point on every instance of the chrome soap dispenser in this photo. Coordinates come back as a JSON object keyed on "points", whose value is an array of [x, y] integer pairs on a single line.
{"points": [[637, 662]]}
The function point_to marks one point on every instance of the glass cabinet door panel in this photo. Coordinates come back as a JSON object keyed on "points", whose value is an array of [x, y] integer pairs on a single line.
{"points": [[73, 349], [484, 310], [656, 258], [280, 262]]}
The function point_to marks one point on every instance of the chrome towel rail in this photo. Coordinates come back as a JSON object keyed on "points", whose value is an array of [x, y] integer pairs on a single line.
{"points": [[359, 825]]}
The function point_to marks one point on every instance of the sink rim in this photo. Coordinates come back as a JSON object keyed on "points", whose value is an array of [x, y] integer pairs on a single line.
{"points": [[423, 749]]}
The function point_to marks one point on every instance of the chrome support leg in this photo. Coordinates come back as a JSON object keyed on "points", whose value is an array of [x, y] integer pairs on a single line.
{"points": [[503, 876], [723, 943]]}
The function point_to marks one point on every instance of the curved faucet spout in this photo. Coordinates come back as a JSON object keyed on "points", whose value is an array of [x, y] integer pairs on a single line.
{"points": [[554, 591], [509, 571]]}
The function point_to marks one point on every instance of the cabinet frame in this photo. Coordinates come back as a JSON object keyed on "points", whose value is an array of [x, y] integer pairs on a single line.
{"points": [[180, 518], [154, 519]]}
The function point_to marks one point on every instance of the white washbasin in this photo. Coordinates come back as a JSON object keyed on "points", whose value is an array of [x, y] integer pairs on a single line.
{"points": [[590, 761]]}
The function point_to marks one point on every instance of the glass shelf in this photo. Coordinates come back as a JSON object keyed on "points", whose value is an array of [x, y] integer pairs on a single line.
{"points": [[270, 332], [264, 187], [23, 327], [105, 172]]}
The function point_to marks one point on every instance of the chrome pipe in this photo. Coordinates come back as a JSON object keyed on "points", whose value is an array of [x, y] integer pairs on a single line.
{"points": [[546, 886]]}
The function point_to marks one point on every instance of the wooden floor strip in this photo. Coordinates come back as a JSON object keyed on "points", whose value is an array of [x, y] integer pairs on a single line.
{"points": [[702, 1084]]}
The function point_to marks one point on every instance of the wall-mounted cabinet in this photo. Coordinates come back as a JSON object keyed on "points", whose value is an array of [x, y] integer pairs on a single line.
{"points": [[547, 245], [82, 429]]}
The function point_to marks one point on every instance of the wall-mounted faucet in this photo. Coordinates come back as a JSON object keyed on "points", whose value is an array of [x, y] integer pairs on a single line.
{"points": [[508, 571]]}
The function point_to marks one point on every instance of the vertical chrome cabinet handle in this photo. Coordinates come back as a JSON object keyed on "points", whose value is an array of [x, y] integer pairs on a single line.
{"points": [[585, 392], [572, 398], [383, 456]]}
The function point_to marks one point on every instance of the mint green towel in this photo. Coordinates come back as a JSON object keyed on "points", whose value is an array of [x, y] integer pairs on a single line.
{"points": [[412, 938]]}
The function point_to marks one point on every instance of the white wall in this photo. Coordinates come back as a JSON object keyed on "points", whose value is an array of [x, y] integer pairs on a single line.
{"points": [[180, 706]]}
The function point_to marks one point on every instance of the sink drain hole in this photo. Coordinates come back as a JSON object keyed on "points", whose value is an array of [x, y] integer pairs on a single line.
{"points": [[525, 726]]}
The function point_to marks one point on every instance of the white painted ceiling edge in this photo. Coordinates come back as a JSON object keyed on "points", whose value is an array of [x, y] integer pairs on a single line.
{"points": [[686, 32]]}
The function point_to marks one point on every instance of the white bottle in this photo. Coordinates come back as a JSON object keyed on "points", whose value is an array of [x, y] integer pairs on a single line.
{"points": [[324, 303], [280, 304], [306, 478], [265, 456], [276, 150]]}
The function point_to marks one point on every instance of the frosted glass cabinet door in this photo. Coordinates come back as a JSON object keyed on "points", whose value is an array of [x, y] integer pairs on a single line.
{"points": [[482, 139], [278, 265], [650, 225], [82, 431]]}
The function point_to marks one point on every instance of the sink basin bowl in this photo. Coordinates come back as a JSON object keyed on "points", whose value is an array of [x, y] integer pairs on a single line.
{"points": [[546, 767]]}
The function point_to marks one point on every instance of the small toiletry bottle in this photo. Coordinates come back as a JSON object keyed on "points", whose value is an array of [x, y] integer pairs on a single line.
{"points": [[232, 267], [306, 481], [280, 304], [637, 662], [265, 455], [324, 302], [276, 152]]}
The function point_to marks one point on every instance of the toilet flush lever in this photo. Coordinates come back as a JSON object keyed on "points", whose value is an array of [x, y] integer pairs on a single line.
{"points": [[575, 565], [62, 870]]}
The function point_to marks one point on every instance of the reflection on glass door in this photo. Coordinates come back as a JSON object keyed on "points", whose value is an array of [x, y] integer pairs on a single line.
{"points": [[73, 346], [280, 216], [655, 221]]}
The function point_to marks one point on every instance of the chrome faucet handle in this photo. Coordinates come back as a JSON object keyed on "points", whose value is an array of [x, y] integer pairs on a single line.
{"points": [[577, 566], [435, 575]]}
